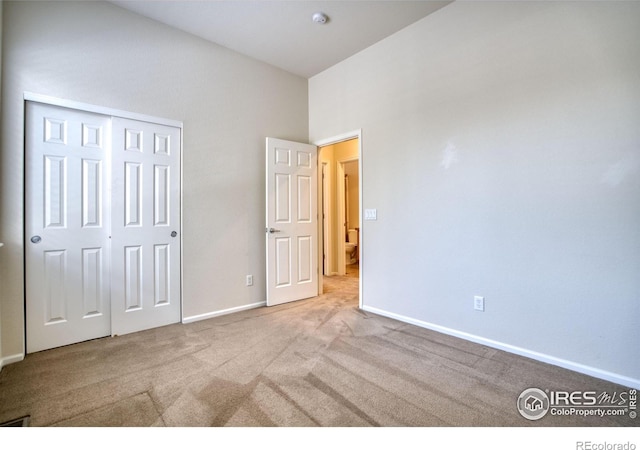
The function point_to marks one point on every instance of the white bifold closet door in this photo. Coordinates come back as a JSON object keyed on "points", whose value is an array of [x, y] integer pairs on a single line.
{"points": [[102, 224]]}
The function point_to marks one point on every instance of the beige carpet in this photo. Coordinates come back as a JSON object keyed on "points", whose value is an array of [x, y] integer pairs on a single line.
{"points": [[318, 362]]}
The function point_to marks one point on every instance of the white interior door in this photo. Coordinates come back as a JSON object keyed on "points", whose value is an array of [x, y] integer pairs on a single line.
{"points": [[291, 223], [145, 226], [66, 226]]}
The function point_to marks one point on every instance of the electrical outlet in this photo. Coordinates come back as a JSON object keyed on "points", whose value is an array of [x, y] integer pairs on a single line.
{"points": [[249, 280], [478, 303]]}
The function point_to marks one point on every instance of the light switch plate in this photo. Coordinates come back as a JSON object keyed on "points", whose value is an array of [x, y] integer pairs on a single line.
{"points": [[370, 214]]}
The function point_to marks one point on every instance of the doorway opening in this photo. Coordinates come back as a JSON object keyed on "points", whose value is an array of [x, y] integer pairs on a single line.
{"points": [[313, 221], [340, 206]]}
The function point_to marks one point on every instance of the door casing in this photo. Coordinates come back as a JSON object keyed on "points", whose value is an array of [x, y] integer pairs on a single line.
{"points": [[342, 219], [355, 134]]}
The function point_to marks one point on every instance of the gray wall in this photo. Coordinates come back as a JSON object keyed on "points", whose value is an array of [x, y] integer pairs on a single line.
{"points": [[97, 53], [501, 148]]}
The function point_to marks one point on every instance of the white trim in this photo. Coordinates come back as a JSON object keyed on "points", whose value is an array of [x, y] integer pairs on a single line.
{"points": [[181, 221], [54, 101], [326, 229], [355, 134], [339, 138], [222, 312], [11, 359], [341, 207], [570, 365]]}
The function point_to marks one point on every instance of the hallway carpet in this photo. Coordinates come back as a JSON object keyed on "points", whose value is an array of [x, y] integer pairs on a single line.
{"points": [[317, 362]]}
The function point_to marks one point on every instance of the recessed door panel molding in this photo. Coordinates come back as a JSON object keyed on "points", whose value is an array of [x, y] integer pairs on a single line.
{"points": [[133, 194], [55, 191], [282, 198], [91, 136], [283, 262], [91, 193], [161, 194], [133, 278], [305, 265], [161, 278], [162, 144], [133, 140], [55, 131], [291, 222], [92, 282], [55, 276], [304, 159], [304, 199], [282, 157], [102, 224]]}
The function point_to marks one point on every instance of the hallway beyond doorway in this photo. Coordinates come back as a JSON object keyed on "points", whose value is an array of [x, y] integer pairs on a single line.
{"points": [[353, 270]]}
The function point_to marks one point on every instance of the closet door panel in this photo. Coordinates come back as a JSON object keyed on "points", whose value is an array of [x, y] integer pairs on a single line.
{"points": [[146, 217], [66, 226]]}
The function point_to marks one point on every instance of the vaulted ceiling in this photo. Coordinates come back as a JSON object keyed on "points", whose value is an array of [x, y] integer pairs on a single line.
{"points": [[282, 32]]}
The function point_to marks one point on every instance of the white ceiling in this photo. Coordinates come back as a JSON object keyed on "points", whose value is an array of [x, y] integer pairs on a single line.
{"points": [[282, 33]]}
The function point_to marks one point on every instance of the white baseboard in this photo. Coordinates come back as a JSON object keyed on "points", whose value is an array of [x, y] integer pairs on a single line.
{"points": [[576, 367], [11, 359], [222, 312]]}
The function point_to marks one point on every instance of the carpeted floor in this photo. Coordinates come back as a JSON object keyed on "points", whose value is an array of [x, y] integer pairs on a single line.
{"points": [[318, 362]]}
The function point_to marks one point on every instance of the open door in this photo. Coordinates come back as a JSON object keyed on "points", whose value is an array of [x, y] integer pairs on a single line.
{"points": [[291, 222]]}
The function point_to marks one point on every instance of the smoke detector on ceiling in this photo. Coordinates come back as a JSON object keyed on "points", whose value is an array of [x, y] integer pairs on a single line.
{"points": [[320, 18]]}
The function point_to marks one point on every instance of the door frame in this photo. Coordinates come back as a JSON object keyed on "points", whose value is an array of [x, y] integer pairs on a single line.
{"points": [[355, 134], [341, 208], [87, 107], [326, 229]]}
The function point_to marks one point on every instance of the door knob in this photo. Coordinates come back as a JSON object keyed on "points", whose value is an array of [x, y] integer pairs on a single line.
{"points": [[36, 239], [273, 230], [174, 233]]}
